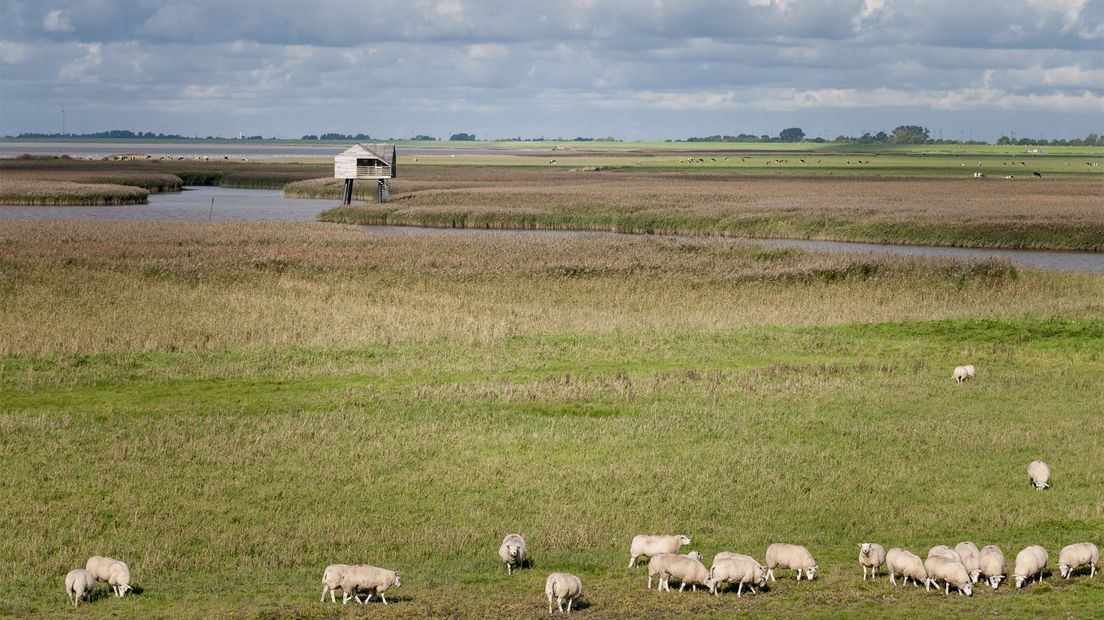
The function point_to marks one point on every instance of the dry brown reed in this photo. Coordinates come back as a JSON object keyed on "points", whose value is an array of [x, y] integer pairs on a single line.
{"points": [[91, 287]]}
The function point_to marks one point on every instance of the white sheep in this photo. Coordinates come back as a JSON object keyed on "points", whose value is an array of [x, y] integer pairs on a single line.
{"points": [[871, 555], [331, 580], [1030, 561], [79, 583], [113, 572], [970, 555], [953, 573], [655, 545], [1038, 473], [372, 579], [728, 555], [963, 373], [738, 571], [512, 552], [562, 586], [687, 571], [657, 565], [946, 552], [783, 555], [1074, 556], [908, 565], [991, 564]]}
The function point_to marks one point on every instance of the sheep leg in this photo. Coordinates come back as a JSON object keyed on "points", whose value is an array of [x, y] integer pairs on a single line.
{"points": [[799, 574], [383, 597], [559, 602], [549, 604], [509, 570], [569, 602], [323, 599], [632, 561], [770, 573], [681, 586], [740, 590], [864, 573]]}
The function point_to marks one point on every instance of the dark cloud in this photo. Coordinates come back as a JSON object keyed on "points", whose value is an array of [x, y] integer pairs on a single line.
{"points": [[524, 66]]}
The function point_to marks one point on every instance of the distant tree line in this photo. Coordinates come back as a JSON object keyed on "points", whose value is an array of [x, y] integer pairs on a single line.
{"points": [[903, 134]]}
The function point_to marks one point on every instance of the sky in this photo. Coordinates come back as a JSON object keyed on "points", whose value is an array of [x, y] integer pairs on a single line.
{"points": [[631, 69]]}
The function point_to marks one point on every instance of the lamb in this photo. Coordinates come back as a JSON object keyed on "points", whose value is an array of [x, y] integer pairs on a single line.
{"points": [[562, 586], [963, 373], [512, 551], [687, 571], [114, 572], [331, 580], [655, 545], [991, 564], [658, 563], [783, 555], [370, 578], [738, 571], [1030, 561], [871, 555], [969, 553], [946, 552], [1074, 556], [1039, 474], [951, 572], [79, 583], [908, 565]]}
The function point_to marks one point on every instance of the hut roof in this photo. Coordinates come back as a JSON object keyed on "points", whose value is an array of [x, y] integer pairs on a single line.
{"points": [[385, 152]]}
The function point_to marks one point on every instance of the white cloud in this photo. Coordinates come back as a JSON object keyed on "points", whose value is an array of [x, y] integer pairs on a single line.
{"points": [[12, 53], [78, 70], [57, 21]]}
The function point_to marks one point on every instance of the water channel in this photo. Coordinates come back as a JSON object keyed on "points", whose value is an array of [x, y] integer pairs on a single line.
{"points": [[217, 204]]}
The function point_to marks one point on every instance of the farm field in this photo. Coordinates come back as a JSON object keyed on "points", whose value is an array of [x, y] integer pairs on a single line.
{"points": [[230, 408]]}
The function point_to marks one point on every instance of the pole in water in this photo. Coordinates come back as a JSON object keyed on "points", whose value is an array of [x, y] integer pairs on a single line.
{"points": [[211, 213]]}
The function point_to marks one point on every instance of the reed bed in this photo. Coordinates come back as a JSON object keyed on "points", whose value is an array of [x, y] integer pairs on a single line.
{"points": [[67, 193], [1063, 214], [147, 286]]}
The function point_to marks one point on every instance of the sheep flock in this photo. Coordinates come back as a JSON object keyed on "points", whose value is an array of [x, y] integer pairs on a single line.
{"points": [[945, 568]]}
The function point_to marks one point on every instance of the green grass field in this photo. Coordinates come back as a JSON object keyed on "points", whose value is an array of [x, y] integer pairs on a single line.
{"points": [[230, 408]]}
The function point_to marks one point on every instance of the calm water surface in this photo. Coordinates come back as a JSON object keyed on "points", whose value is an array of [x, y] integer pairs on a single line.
{"points": [[194, 204]]}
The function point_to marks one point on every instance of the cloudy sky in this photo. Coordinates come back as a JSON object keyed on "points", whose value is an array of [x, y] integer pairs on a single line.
{"points": [[634, 69]]}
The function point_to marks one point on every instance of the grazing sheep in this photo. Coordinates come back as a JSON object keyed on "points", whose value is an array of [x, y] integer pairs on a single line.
{"points": [[657, 565], [728, 555], [512, 551], [783, 555], [738, 571], [908, 565], [331, 580], [946, 552], [562, 586], [953, 573], [1074, 556], [655, 545], [991, 564], [687, 571], [871, 555], [1030, 561], [78, 584], [964, 373], [372, 579], [970, 555], [1039, 474], [113, 572]]}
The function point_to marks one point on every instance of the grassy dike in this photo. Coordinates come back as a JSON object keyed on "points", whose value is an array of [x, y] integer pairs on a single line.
{"points": [[231, 408]]}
